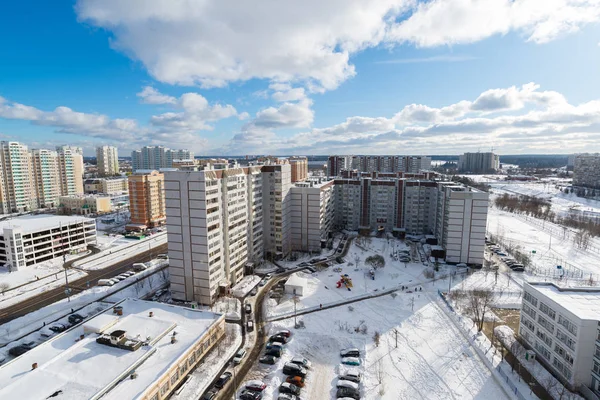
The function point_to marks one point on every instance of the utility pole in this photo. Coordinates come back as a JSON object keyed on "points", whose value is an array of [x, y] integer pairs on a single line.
{"points": [[396, 332], [412, 303]]}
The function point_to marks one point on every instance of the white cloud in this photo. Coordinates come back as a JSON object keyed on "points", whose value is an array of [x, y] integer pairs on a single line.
{"points": [[447, 22], [214, 42], [287, 115], [442, 58], [149, 95]]}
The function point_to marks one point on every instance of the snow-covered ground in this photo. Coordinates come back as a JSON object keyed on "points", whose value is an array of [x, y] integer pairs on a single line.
{"points": [[245, 285]]}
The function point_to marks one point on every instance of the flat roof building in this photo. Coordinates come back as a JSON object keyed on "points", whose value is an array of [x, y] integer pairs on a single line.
{"points": [[142, 352], [32, 239]]}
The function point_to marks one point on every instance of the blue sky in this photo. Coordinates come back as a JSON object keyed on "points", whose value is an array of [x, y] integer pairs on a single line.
{"points": [[349, 76]]}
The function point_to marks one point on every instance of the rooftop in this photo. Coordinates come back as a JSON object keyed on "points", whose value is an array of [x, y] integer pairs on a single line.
{"points": [[583, 302], [41, 221], [84, 369]]}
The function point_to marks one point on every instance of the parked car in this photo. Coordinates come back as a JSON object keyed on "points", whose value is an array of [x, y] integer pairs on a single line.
{"points": [[266, 359], [139, 267], [274, 345], [293, 369], [249, 326], [303, 264], [250, 395], [262, 283], [501, 253], [275, 352], [18, 350], [239, 356], [74, 319], [210, 395], [162, 256], [278, 338], [284, 332], [353, 376], [248, 308], [301, 361], [286, 387], [130, 273], [351, 352], [296, 380], [510, 262], [348, 384], [223, 379], [255, 385], [105, 282], [347, 392], [253, 292], [46, 332], [118, 278], [287, 396], [519, 269], [57, 328], [351, 361], [516, 266]]}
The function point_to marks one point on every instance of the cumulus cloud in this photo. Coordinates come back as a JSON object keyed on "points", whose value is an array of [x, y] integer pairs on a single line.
{"points": [[214, 42], [149, 95]]}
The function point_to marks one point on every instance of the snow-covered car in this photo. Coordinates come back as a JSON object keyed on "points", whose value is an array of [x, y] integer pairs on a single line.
{"points": [[287, 387], [210, 395], [347, 384], [352, 375], [46, 332], [255, 385], [351, 361], [347, 393], [284, 332], [278, 338], [273, 345], [351, 352], [250, 395], [267, 360], [301, 361], [58, 327], [248, 308], [293, 369]]}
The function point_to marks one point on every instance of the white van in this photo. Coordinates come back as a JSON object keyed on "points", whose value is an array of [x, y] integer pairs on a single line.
{"points": [[105, 282]]}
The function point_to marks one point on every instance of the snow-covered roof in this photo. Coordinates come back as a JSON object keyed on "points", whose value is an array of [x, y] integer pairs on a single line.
{"points": [[295, 280], [583, 302], [41, 221], [83, 368]]}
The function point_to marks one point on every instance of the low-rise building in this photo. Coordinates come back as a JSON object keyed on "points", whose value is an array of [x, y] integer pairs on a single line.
{"points": [[562, 326], [136, 349], [32, 239], [108, 185], [84, 204]]}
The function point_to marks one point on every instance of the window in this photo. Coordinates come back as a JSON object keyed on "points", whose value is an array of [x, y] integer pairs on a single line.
{"points": [[174, 378], [547, 310], [563, 353], [529, 298], [565, 339], [546, 324], [527, 323], [543, 351], [528, 310], [569, 326], [164, 389], [596, 367], [544, 336], [155, 397], [192, 360], [562, 368]]}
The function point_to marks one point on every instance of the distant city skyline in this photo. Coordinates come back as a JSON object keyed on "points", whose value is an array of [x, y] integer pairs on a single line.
{"points": [[345, 77]]}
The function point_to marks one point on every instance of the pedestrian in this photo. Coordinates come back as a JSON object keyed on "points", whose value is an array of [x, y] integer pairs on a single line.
{"points": [[72, 311], [320, 306]]}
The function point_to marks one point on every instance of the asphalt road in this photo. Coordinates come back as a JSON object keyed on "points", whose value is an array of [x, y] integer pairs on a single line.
{"points": [[54, 295]]}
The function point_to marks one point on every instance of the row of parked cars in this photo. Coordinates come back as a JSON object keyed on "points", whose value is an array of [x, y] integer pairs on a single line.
{"points": [[348, 382], [138, 267], [506, 259]]}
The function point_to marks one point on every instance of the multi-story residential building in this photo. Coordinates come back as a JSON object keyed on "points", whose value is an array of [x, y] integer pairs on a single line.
{"points": [[413, 164], [299, 167], [17, 183], [277, 182], [562, 326], [84, 204], [134, 350], [157, 157], [108, 185], [336, 164], [389, 164], [107, 160], [586, 170], [70, 166], [213, 223], [479, 163], [147, 199], [47, 177], [461, 222], [311, 214], [33, 239]]}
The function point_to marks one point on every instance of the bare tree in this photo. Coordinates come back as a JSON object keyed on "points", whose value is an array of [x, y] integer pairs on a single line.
{"points": [[478, 304], [377, 261], [557, 390], [380, 374], [4, 286]]}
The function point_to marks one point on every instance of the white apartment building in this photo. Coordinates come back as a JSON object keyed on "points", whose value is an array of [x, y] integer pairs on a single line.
{"points": [[32, 239], [312, 214], [17, 184], [586, 170], [479, 163], [46, 177], [390, 164], [461, 222], [562, 325], [214, 228], [107, 160], [157, 157], [277, 182], [70, 169]]}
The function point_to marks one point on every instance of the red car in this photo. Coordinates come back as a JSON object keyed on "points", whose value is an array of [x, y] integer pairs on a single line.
{"points": [[284, 332]]}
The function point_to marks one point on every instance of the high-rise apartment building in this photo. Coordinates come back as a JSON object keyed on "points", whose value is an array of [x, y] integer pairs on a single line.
{"points": [[147, 199], [75, 150], [562, 326], [107, 160], [17, 183], [277, 182], [70, 169], [214, 220], [157, 157], [47, 179], [479, 163], [299, 168], [391, 164], [586, 170]]}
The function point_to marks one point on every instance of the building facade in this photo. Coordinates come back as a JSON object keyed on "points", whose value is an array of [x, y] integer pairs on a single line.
{"points": [[479, 163], [389, 164], [33, 239], [562, 326], [84, 204], [107, 160], [157, 157], [147, 198], [586, 170], [46, 177], [299, 166], [277, 183], [17, 182]]}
